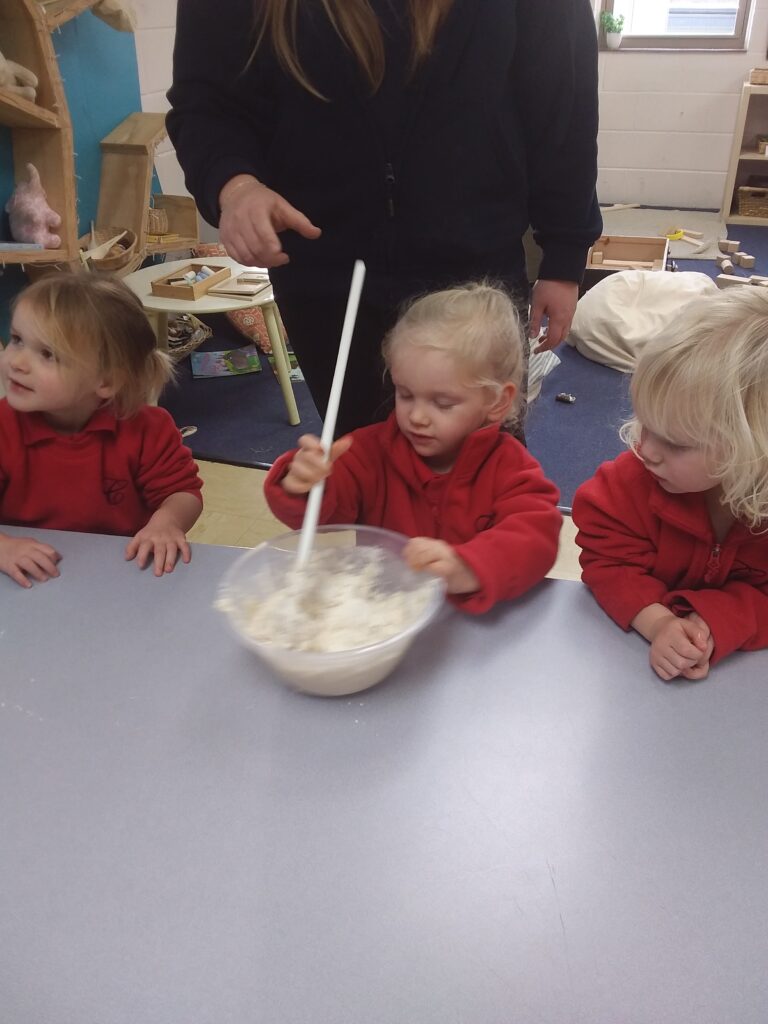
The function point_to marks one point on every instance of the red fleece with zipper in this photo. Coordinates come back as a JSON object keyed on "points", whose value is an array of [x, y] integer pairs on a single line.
{"points": [[495, 507], [641, 545]]}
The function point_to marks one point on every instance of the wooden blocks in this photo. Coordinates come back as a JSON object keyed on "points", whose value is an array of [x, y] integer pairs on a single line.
{"points": [[743, 259], [725, 264], [597, 257], [727, 246], [727, 280]]}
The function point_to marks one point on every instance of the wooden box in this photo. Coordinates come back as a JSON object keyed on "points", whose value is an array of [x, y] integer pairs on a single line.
{"points": [[612, 253], [190, 292]]}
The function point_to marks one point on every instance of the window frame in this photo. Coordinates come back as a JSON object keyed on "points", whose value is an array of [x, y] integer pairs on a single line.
{"points": [[725, 43]]}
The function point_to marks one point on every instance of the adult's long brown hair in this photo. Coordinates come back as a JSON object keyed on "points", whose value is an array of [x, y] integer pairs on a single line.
{"points": [[357, 27]]}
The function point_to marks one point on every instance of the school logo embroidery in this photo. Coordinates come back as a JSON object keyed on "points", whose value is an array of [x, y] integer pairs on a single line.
{"points": [[485, 521], [114, 490]]}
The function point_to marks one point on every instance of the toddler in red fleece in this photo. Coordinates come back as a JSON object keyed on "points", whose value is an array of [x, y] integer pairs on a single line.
{"points": [[79, 447], [674, 533], [479, 510]]}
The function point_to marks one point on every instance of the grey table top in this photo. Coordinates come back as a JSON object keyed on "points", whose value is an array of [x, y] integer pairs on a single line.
{"points": [[522, 826]]}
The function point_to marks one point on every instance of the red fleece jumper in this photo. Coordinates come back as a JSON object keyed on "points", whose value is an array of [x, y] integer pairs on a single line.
{"points": [[641, 545], [495, 507], [108, 478]]}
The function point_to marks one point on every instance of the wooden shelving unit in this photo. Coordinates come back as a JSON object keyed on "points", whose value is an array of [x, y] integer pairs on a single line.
{"points": [[751, 120], [41, 132], [16, 112], [42, 135]]}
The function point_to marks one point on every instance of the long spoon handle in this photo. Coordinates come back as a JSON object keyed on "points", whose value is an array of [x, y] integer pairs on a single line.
{"points": [[312, 513]]}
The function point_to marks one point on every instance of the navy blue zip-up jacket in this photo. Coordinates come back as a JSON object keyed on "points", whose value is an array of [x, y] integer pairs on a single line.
{"points": [[432, 180]]}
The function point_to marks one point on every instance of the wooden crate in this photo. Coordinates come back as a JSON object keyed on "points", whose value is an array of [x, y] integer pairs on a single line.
{"points": [[612, 253], [189, 292]]}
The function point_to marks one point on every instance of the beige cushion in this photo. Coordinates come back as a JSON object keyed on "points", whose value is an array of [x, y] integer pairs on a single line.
{"points": [[624, 311]]}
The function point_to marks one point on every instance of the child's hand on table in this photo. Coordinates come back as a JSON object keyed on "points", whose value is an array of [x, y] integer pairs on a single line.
{"points": [[424, 554], [680, 647], [701, 669], [309, 465], [22, 557], [164, 537]]}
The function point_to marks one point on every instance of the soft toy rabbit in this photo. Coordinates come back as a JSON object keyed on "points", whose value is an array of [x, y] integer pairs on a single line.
{"points": [[32, 219], [18, 79]]}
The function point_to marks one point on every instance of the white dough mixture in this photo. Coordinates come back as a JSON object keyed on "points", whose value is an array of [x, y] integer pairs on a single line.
{"points": [[340, 601]]}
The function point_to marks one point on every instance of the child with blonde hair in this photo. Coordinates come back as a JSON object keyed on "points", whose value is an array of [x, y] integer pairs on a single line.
{"points": [[674, 533], [479, 510], [80, 448]]}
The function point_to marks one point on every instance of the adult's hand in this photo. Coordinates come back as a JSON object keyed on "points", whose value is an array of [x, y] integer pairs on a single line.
{"points": [[252, 216], [557, 301]]}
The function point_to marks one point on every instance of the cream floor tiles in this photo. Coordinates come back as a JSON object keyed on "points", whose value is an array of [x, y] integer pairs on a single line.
{"points": [[236, 515], [567, 565]]}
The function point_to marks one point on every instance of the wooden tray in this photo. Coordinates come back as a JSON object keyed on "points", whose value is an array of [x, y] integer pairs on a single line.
{"points": [[189, 292]]}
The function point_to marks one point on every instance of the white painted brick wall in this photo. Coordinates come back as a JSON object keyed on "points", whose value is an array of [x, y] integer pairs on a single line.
{"points": [[666, 119]]}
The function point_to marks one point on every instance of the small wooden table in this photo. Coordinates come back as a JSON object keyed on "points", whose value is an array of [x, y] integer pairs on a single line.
{"points": [[140, 282]]}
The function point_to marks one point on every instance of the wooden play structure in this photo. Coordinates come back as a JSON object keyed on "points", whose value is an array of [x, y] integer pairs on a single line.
{"points": [[41, 134]]}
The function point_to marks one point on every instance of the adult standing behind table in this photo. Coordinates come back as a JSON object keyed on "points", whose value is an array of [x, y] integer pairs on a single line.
{"points": [[422, 137]]}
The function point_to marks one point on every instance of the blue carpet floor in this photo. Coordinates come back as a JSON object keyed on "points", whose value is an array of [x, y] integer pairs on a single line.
{"points": [[239, 420], [570, 441], [242, 420]]}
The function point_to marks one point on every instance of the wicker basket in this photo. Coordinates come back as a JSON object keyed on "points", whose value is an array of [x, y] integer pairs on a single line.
{"points": [[185, 334], [758, 76], [157, 221], [122, 252], [753, 202]]}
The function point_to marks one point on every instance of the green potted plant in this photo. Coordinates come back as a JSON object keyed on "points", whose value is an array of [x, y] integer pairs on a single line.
{"points": [[612, 25]]}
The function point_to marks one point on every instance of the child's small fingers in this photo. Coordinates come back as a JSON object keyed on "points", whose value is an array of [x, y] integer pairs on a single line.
{"points": [[49, 552], [696, 672], [309, 443], [418, 554], [186, 552], [666, 671], [16, 574], [31, 568], [311, 464], [143, 554], [48, 565], [340, 447], [160, 549]]}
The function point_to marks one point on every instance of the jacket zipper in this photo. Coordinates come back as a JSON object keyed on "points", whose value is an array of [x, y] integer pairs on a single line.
{"points": [[712, 567], [389, 181]]}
